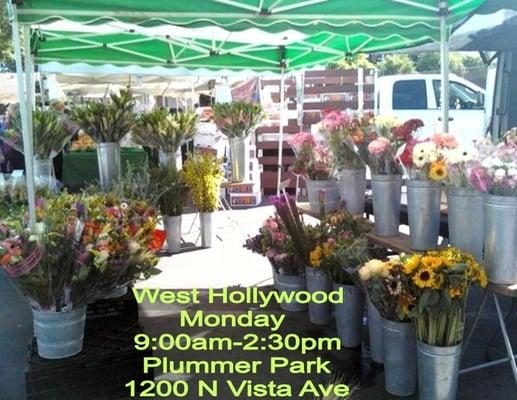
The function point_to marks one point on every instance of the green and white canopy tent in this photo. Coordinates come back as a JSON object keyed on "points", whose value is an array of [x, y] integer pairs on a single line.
{"points": [[260, 36]]}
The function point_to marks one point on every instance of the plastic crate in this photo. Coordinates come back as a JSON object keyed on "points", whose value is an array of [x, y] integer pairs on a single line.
{"points": [[108, 361], [122, 310]]}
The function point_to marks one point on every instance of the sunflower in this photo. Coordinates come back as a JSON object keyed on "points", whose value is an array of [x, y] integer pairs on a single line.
{"points": [[425, 278], [411, 264], [438, 171], [432, 262], [456, 292], [438, 281]]}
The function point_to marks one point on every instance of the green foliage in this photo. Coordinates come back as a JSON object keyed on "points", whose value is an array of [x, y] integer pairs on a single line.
{"points": [[107, 123], [168, 185], [6, 49], [458, 63], [396, 64], [237, 119], [159, 129], [352, 62]]}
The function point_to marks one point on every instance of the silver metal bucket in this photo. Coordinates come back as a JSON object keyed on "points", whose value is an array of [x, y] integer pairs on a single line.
{"points": [[59, 334], [173, 230], [207, 229], [438, 369], [349, 315], [331, 201], [44, 175], [399, 344], [118, 291], [501, 239], [375, 333], [386, 204], [171, 159], [352, 189], [240, 159], [318, 281], [108, 158], [466, 220], [289, 284], [423, 202]]}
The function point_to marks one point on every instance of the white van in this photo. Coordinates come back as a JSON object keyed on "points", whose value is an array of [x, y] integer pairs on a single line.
{"points": [[418, 96]]}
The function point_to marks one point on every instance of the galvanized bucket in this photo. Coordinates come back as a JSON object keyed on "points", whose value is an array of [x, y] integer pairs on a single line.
{"points": [[501, 239], [171, 159], [59, 334], [466, 220], [399, 344], [386, 204], [240, 159], [44, 175], [352, 189], [349, 315], [423, 202], [289, 284], [331, 195], [118, 291], [318, 281], [173, 230], [207, 229], [108, 157], [375, 333], [438, 369]]}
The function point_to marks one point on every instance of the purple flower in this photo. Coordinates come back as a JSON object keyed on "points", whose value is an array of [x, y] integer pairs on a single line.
{"points": [[480, 179]]}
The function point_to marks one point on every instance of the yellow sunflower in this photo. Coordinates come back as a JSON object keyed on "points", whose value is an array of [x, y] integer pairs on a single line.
{"points": [[411, 264], [425, 278], [438, 171], [438, 281], [432, 262], [456, 292]]}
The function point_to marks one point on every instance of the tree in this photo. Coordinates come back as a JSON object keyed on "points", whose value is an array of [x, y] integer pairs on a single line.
{"points": [[6, 49], [396, 64], [352, 62], [430, 62]]}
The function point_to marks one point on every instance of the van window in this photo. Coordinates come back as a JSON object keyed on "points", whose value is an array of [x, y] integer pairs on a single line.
{"points": [[410, 95], [461, 97]]}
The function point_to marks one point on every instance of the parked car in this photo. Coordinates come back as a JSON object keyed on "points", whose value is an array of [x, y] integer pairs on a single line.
{"points": [[418, 96]]}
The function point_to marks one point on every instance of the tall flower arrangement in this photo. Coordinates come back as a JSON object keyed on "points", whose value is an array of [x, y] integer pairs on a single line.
{"points": [[313, 160], [237, 119], [203, 176]]}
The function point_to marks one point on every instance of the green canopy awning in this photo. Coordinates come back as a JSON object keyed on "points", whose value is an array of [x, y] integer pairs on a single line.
{"points": [[378, 18]]}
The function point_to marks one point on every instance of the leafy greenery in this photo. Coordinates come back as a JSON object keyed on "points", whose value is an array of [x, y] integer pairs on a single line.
{"points": [[430, 62], [237, 119], [6, 50], [107, 123], [168, 185], [396, 64], [352, 62]]}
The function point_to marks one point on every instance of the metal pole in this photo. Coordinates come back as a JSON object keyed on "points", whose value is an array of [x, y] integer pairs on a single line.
{"points": [[444, 61], [281, 131], [29, 167]]}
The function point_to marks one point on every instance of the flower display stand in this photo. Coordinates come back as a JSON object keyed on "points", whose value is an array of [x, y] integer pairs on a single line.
{"points": [[495, 291]]}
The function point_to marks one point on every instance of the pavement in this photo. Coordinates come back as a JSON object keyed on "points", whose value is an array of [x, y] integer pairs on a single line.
{"points": [[228, 264]]}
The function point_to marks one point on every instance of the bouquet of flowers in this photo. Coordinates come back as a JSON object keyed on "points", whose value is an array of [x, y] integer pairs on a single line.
{"points": [[107, 123], [313, 160], [497, 173], [426, 159], [389, 288], [274, 243], [169, 186], [203, 176], [376, 141], [440, 281], [343, 129], [237, 119], [459, 162], [165, 131], [50, 135]]}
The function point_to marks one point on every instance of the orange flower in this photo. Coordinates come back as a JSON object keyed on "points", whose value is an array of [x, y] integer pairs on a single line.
{"points": [[158, 240]]}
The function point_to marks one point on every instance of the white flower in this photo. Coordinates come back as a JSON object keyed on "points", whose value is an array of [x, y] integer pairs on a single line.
{"points": [[423, 153], [387, 122], [102, 257], [89, 247], [490, 162], [460, 155], [124, 206], [40, 228], [512, 172], [500, 173], [133, 247]]}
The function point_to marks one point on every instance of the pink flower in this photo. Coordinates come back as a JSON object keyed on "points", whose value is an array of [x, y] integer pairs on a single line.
{"points": [[445, 141], [334, 120], [300, 140], [480, 179], [379, 146], [271, 224]]}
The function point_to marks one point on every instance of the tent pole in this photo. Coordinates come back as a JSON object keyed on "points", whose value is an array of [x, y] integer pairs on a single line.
{"points": [[281, 131], [29, 166], [444, 61], [30, 92]]}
